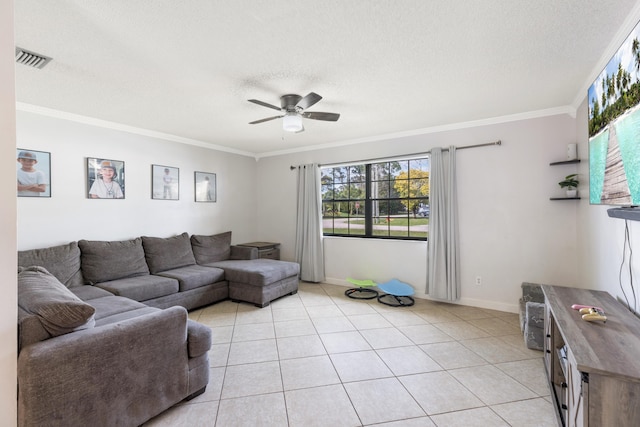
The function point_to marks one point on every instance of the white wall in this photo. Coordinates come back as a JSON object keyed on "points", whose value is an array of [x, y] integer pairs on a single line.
{"points": [[8, 302], [69, 215], [510, 231], [600, 238]]}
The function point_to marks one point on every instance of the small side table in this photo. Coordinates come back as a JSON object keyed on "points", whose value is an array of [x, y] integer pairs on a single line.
{"points": [[268, 250]]}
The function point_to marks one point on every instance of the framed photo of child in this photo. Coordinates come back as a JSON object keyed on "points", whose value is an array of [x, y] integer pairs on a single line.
{"points": [[165, 182], [33, 172], [205, 184], [105, 178]]}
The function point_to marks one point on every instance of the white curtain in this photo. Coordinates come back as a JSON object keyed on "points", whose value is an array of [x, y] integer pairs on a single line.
{"points": [[309, 252], [443, 278]]}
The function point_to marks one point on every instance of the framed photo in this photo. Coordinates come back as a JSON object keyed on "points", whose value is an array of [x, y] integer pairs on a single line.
{"points": [[205, 187], [105, 178], [165, 182], [33, 171]]}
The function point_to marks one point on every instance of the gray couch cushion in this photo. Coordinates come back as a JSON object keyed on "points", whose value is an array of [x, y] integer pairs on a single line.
{"points": [[126, 315], [257, 272], [243, 252], [113, 305], [62, 261], [194, 276], [58, 309], [167, 253], [208, 249], [88, 292], [141, 288], [111, 260]]}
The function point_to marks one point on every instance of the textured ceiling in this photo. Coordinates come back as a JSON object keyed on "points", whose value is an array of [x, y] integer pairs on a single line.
{"points": [[187, 68]]}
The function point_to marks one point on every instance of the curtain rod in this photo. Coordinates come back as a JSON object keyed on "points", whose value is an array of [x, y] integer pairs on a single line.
{"points": [[498, 142]]}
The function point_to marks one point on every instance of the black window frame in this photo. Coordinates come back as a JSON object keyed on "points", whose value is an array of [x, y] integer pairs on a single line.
{"points": [[373, 217]]}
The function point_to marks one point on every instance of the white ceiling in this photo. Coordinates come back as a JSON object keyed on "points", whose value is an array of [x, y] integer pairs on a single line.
{"points": [[187, 68]]}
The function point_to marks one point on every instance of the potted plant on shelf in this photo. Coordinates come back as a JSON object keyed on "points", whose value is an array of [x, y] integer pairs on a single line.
{"points": [[570, 182]]}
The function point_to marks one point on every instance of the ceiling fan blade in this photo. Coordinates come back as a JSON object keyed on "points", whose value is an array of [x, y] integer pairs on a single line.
{"points": [[264, 104], [265, 120], [308, 100], [316, 115]]}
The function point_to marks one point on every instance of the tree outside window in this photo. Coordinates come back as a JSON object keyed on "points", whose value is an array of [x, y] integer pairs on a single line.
{"points": [[384, 200]]}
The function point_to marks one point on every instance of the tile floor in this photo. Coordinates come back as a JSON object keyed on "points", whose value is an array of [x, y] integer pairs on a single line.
{"points": [[318, 358]]}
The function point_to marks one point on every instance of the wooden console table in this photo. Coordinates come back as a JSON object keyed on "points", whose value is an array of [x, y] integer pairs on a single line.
{"points": [[593, 368]]}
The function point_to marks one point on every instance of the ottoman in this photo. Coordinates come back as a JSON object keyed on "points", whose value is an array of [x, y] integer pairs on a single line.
{"points": [[259, 281]]}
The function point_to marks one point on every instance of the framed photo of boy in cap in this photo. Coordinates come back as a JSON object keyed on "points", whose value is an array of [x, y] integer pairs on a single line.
{"points": [[105, 178], [33, 172]]}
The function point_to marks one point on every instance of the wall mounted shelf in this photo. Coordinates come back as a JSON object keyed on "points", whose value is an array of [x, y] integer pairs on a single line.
{"points": [[565, 162]]}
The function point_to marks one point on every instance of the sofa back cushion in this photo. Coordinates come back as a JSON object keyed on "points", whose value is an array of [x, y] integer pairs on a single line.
{"points": [[167, 253], [208, 249], [112, 260], [58, 309], [62, 261]]}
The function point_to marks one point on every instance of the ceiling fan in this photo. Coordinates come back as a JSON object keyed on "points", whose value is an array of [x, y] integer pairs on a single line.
{"points": [[293, 109]]}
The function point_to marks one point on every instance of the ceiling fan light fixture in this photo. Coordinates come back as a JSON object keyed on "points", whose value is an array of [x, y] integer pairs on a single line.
{"points": [[293, 109], [292, 122]]}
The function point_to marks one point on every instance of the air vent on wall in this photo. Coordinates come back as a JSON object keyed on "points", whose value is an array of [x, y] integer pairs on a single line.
{"points": [[31, 59]]}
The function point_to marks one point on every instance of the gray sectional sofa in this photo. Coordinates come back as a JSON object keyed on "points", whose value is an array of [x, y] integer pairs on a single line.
{"points": [[103, 333]]}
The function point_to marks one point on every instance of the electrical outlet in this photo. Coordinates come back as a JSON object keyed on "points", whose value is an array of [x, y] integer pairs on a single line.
{"points": [[478, 280]]}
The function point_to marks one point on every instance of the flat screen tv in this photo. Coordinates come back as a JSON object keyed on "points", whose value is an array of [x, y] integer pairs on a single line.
{"points": [[614, 128]]}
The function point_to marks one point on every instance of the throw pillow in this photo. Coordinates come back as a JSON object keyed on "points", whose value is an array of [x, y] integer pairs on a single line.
{"points": [[62, 261], [208, 249], [59, 310], [104, 261], [167, 253]]}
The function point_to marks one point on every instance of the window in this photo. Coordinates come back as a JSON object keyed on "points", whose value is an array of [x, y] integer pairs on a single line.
{"points": [[382, 200]]}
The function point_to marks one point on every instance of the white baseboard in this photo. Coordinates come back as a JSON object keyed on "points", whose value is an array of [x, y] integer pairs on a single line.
{"points": [[491, 305], [471, 302], [339, 282]]}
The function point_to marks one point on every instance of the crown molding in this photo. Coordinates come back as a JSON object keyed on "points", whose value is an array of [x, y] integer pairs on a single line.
{"points": [[49, 112], [569, 110]]}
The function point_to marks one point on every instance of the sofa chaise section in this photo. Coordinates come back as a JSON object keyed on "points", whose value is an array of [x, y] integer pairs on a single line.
{"points": [[257, 281], [260, 281]]}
